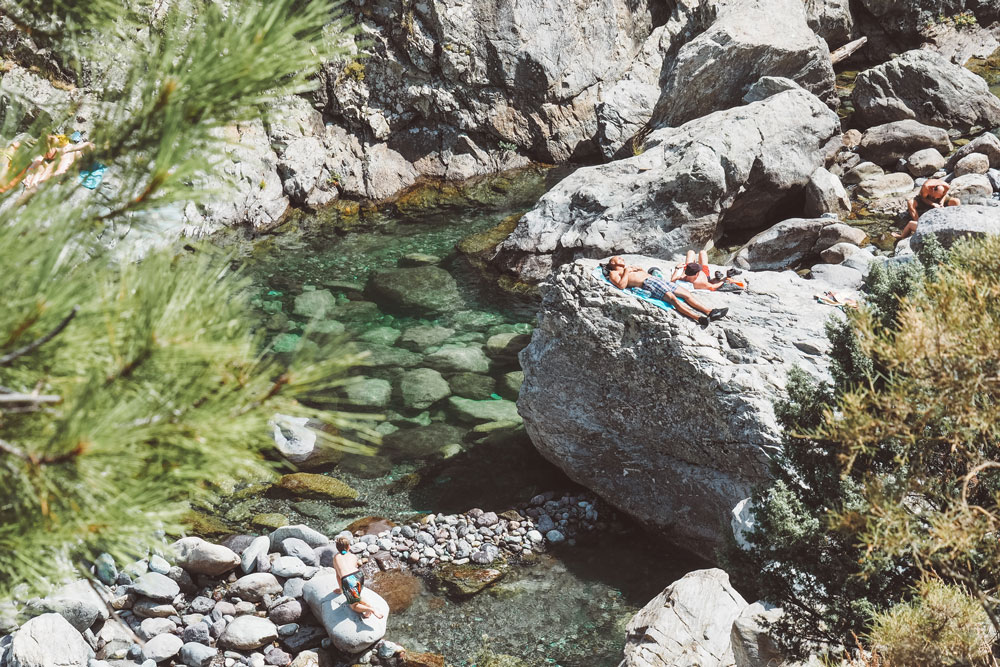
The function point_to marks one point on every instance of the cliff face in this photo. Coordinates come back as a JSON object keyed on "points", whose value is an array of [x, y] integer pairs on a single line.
{"points": [[669, 422]]}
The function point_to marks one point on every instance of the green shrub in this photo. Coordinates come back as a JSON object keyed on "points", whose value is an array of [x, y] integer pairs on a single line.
{"points": [[941, 626]]}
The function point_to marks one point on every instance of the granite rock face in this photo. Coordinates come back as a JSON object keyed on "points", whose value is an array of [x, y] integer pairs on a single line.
{"points": [[925, 86], [728, 170], [689, 623], [676, 461]]}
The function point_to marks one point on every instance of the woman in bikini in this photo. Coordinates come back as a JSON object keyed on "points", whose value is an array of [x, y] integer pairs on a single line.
{"points": [[933, 194], [351, 578]]}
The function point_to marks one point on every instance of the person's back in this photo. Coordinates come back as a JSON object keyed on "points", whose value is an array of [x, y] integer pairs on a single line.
{"points": [[345, 563]]}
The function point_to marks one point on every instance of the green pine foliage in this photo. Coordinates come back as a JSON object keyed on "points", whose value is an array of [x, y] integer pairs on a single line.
{"points": [[819, 548], [130, 390]]}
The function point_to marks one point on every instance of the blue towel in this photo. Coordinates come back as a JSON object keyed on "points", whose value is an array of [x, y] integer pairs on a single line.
{"points": [[637, 292], [92, 177]]}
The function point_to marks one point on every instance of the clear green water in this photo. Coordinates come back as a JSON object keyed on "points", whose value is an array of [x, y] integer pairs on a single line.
{"points": [[568, 607]]}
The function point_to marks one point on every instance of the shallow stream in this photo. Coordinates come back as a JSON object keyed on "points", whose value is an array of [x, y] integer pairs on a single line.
{"points": [[566, 607]]}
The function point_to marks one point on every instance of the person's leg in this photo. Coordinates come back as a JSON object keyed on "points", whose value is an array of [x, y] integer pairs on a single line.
{"points": [[953, 201], [691, 300], [365, 610], [689, 257], [711, 313], [703, 260], [681, 307], [907, 229]]}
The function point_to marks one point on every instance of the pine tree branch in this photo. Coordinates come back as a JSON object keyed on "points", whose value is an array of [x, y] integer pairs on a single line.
{"points": [[8, 448], [28, 398], [6, 360], [80, 448], [89, 578]]}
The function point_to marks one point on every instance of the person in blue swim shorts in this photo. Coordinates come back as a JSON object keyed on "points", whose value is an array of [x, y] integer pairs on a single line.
{"points": [[623, 276], [351, 578]]}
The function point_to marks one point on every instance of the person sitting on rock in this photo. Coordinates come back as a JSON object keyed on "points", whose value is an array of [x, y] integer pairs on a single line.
{"points": [[351, 578], [933, 194], [623, 276], [695, 271]]}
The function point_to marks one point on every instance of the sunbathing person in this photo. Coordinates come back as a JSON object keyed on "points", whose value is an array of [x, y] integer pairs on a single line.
{"points": [[933, 194], [695, 271], [59, 156], [623, 276], [351, 578]]}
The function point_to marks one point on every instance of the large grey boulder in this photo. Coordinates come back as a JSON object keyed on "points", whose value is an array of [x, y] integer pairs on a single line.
{"points": [[677, 461], [752, 645], [728, 170], [445, 80], [162, 647], [704, 59], [971, 188], [826, 194], [782, 246], [689, 623], [831, 19], [884, 144], [246, 633], [987, 143], [347, 630], [156, 586], [747, 40], [924, 86], [951, 223], [48, 641]]}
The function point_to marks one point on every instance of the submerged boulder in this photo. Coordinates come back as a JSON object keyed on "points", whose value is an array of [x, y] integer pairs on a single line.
{"points": [[729, 170], [419, 290], [671, 423]]}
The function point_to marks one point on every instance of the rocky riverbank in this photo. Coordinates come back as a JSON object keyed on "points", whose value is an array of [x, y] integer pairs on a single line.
{"points": [[268, 599]]}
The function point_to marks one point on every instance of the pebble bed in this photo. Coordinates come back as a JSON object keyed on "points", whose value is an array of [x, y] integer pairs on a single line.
{"points": [[241, 602]]}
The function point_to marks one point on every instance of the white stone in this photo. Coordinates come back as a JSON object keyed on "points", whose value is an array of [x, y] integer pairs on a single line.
{"points": [[48, 641], [162, 647], [248, 632], [200, 557], [250, 555]]}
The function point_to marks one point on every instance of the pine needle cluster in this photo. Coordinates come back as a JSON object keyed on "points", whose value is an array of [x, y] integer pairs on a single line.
{"points": [[130, 389]]}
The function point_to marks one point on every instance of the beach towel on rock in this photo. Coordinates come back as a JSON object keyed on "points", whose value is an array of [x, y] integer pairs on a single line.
{"points": [[92, 177], [637, 292]]}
